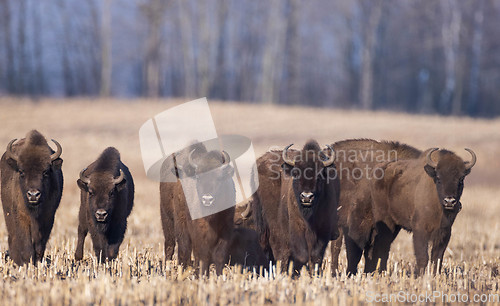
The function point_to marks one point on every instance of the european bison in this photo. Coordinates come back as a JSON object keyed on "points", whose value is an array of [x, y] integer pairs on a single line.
{"points": [[245, 250], [421, 196], [356, 161], [295, 207], [32, 184], [107, 197], [209, 237]]}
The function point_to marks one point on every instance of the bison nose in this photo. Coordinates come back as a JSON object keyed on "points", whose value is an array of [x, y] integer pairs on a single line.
{"points": [[33, 195], [101, 215], [306, 197], [449, 202], [207, 199]]}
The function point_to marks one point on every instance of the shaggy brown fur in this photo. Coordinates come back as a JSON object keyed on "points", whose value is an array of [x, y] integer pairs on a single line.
{"points": [[105, 205], [208, 238], [421, 198], [290, 229], [32, 184], [355, 212]]}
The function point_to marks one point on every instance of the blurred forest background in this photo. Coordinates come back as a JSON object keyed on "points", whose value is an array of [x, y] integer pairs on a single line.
{"points": [[421, 56]]}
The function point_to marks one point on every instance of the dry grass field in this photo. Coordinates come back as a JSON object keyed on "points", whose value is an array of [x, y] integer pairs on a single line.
{"points": [[140, 276]]}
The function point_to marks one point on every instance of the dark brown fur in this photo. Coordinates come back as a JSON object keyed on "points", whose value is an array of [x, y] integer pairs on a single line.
{"points": [[29, 226], [208, 238], [412, 196], [101, 193], [245, 250], [288, 230]]}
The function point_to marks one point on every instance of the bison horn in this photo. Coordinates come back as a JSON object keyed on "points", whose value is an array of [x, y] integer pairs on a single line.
{"points": [[472, 162], [83, 178], [57, 153], [285, 158], [190, 159], [430, 162], [226, 157], [247, 211], [329, 162], [119, 179], [9, 153]]}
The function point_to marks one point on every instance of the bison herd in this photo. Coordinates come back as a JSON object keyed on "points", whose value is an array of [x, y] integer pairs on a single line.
{"points": [[361, 192]]}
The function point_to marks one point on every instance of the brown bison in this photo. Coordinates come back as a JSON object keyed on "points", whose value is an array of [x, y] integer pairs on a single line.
{"points": [[107, 197], [421, 196], [295, 206], [245, 250], [32, 184], [208, 238], [356, 162]]}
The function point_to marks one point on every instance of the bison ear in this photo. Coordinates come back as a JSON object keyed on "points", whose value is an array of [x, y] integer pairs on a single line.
{"points": [[57, 164], [121, 185], [13, 164], [431, 171], [82, 185]]}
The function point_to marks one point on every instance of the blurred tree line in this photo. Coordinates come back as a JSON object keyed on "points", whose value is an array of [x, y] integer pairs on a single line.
{"points": [[407, 55]]}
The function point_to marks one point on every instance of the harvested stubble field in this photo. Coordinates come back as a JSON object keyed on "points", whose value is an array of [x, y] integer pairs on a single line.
{"points": [[140, 275]]}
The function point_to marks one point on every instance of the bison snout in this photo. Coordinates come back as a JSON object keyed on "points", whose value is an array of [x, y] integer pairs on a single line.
{"points": [[33, 196], [449, 202], [207, 199], [306, 197], [101, 215]]}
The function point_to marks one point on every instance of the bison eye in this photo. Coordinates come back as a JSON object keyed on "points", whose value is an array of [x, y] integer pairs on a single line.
{"points": [[91, 192], [46, 173], [112, 193], [21, 173]]}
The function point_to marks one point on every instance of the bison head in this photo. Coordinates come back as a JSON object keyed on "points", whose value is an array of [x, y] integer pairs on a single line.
{"points": [[102, 188], [309, 170], [34, 163], [448, 174]]}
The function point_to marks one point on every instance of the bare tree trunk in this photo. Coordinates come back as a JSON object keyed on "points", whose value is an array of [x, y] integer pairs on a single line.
{"points": [[155, 13], [292, 95], [39, 75], [477, 39], [450, 36], [273, 53], [219, 84], [106, 59], [187, 50], [21, 51], [372, 10], [9, 48]]}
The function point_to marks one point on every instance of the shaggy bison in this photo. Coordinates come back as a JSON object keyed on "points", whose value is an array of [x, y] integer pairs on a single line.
{"points": [[295, 207], [32, 184], [208, 238], [421, 196], [107, 197], [356, 162]]}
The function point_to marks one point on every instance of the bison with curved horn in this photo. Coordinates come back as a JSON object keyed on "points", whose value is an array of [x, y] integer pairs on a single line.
{"points": [[295, 207], [107, 198], [421, 196], [32, 184]]}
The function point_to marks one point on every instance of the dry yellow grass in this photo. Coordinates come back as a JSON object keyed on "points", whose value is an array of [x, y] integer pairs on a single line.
{"points": [[86, 127]]}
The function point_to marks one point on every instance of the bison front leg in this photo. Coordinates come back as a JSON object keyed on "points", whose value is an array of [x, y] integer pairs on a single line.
{"points": [[439, 245], [380, 248], [21, 250], [420, 246], [354, 253], [82, 233], [336, 246]]}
